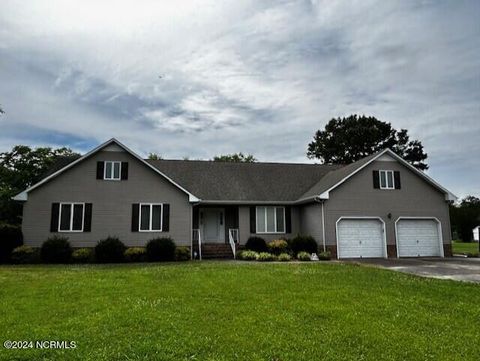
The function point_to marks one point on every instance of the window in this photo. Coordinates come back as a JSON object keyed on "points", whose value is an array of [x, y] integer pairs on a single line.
{"points": [[112, 171], [270, 219], [151, 217], [386, 179], [71, 217]]}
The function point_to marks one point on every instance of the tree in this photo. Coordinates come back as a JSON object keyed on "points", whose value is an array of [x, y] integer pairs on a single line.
{"points": [[20, 168], [465, 217], [235, 158], [346, 140], [154, 156]]}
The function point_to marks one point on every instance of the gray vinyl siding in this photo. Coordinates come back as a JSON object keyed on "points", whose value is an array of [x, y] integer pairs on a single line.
{"points": [[112, 203], [244, 226], [357, 197], [311, 221]]}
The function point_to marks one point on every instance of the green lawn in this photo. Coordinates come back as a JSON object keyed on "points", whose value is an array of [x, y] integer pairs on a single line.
{"points": [[245, 311], [464, 247]]}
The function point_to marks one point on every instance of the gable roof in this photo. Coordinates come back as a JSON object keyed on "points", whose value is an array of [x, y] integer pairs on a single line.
{"points": [[244, 182], [227, 182], [332, 180], [23, 196]]}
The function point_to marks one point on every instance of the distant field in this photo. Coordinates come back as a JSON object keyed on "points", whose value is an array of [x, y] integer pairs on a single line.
{"points": [[463, 247]]}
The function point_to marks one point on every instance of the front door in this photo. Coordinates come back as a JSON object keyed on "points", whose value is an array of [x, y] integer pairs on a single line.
{"points": [[212, 225]]}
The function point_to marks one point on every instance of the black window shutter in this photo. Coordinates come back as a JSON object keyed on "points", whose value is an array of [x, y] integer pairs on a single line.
{"points": [[166, 217], [135, 216], [100, 167], [288, 219], [54, 220], [253, 220], [87, 220], [396, 177], [124, 170], [376, 179]]}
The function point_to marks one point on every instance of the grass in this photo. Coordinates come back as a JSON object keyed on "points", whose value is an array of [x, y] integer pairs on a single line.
{"points": [[243, 311], [465, 247]]}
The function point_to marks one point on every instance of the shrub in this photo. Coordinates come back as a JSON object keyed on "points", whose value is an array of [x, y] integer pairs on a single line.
{"points": [[248, 255], [256, 244], [284, 257], [277, 246], [10, 237], [56, 249], [25, 254], [325, 256], [109, 250], [182, 254], [135, 254], [83, 255], [303, 256], [265, 257], [303, 244], [161, 249]]}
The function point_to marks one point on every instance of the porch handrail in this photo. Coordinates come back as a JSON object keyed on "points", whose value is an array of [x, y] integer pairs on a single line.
{"points": [[233, 240], [197, 236]]}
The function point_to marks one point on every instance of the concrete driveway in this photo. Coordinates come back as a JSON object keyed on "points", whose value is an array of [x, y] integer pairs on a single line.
{"points": [[458, 269]]}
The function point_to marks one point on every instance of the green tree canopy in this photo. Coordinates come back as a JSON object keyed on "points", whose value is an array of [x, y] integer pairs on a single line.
{"points": [[154, 156], [235, 157], [20, 168], [346, 140]]}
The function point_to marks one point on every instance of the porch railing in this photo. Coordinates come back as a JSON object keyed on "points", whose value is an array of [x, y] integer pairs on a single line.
{"points": [[233, 240], [197, 238]]}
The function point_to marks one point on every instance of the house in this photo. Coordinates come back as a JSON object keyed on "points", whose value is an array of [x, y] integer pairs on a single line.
{"points": [[476, 234], [379, 206]]}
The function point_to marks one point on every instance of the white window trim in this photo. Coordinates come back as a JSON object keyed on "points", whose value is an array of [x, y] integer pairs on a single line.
{"points": [[275, 220], [386, 179], [72, 204], [151, 217], [113, 166]]}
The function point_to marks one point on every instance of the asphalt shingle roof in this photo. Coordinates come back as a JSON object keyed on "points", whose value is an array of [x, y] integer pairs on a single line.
{"points": [[229, 181]]}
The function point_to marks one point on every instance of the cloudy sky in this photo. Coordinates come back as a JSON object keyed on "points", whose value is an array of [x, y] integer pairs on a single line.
{"points": [[199, 78]]}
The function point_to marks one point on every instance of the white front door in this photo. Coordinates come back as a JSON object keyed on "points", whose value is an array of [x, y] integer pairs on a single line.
{"points": [[212, 225], [418, 238], [360, 238]]}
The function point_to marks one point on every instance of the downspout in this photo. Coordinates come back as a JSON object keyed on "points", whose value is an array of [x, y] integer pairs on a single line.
{"points": [[322, 202], [323, 226]]}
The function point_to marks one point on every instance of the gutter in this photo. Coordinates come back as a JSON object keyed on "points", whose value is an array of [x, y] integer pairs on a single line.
{"points": [[322, 202]]}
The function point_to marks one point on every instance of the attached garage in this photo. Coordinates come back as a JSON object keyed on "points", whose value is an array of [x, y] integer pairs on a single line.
{"points": [[361, 238], [418, 238]]}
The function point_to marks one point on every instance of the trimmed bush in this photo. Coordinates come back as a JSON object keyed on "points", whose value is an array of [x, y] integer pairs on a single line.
{"points": [[303, 256], [284, 257], [277, 246], [56, 249], [248, 255], [25, 254], [303, 244], [256, 244], [135, 254], [11, 237], [266, 257], [325, 256], [161, 249], [109, 250], [182, 254], [83, 255]]}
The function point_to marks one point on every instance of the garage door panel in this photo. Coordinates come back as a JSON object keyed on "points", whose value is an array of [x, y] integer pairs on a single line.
{"points": [[360, 238], [418, 238]]}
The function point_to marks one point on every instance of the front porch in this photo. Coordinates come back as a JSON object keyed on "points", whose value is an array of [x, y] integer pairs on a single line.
{"points": [[215, 232]]}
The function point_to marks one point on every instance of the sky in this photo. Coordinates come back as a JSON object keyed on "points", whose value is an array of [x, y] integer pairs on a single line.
{"points": [[200, 78]]}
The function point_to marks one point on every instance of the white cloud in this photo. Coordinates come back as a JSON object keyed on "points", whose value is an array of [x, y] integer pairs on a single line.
{"points": [[199, 78]]}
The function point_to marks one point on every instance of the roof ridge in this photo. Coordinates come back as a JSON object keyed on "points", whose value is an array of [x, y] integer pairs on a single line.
{"points": [[337, 166]]}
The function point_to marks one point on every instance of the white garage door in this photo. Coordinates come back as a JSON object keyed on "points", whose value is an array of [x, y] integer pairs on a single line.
{"points": [[360, 238], [418, 238]]}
